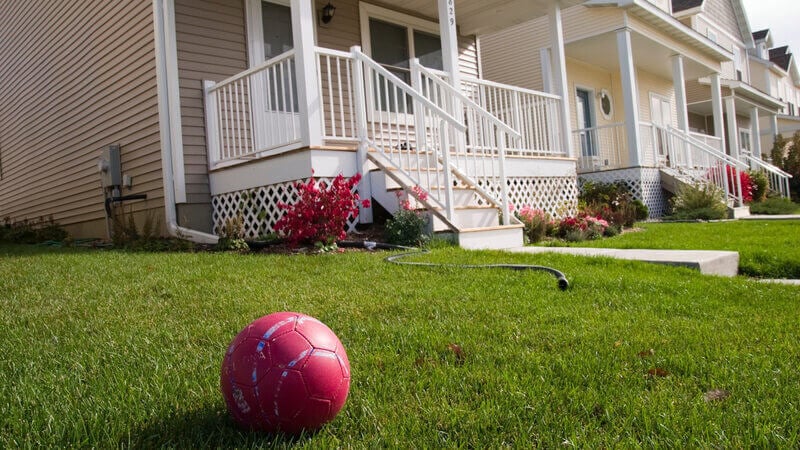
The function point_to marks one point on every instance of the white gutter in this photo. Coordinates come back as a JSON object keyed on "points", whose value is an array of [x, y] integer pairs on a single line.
{"points": [[166, 131]]}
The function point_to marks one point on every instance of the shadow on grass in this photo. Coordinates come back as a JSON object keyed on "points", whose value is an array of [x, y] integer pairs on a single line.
{"points": [[204, 428]]}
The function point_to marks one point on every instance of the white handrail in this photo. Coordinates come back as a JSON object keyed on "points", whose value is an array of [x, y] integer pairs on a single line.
{"points": [[463, 98], [777, 178], [265, 65], [768, 167], [510, 87], [400, 84]]}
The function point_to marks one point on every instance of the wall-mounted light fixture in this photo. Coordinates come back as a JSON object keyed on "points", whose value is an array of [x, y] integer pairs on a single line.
{"points": [[327, 13]]}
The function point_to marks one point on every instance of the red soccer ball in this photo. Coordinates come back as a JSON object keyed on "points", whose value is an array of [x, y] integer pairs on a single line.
{"points": [[285, 372]]}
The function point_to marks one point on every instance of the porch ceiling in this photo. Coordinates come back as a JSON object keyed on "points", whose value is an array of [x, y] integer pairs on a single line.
{"points": [[648, 55], [486, 16]]}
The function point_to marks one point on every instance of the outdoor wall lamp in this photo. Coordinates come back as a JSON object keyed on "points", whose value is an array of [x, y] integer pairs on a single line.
{"points": [[327, 13]]}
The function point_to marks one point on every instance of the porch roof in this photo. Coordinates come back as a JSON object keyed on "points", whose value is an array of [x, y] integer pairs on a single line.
{"points": [[486, 16], [745, 97]]}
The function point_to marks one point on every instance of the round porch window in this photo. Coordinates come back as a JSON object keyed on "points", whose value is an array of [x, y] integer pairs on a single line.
{"points": [[606, 104]]}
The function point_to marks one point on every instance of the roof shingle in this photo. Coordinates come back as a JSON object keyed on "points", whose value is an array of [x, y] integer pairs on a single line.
{"points": [[781, 56], [682, 5]]}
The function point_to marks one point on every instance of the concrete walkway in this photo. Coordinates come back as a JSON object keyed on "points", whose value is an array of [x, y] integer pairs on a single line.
{"points": [[710, 262], [774, 217]]}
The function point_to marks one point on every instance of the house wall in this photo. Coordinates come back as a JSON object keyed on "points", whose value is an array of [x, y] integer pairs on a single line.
{"points": [[722, 13], [648, 84], [76, 76], [512, 55], [729, 41], [211, 45]]}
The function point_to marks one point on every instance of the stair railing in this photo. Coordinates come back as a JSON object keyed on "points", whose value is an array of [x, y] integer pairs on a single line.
{"points": [[700, 162], [477, 155], [778, 179], [407, 129]]}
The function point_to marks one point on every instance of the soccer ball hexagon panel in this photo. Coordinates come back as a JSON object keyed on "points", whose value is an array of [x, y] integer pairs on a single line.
{"points": [[285, 372]]}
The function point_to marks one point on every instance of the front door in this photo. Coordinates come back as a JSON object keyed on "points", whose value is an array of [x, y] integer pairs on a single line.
{"points": [[583, 101], [281, 112]]}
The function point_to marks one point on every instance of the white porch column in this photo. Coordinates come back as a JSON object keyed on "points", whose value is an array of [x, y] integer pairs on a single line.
{"points": [[630, 95], [755, 133], [547, 70], [449, 36], [773, 126], [679, 81], [559, 79], [716, 108], [306, 72], [733, 129]]}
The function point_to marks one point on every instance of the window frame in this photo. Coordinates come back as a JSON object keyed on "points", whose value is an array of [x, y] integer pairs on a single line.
{"points": [[369, 11]]}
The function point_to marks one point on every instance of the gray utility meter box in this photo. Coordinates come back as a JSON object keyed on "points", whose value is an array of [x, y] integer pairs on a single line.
{"points": [[110, 167]]}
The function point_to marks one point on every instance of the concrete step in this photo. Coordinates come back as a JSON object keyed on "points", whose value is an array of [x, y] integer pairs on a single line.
{"points": [[470, 217], [710, 262], [494, 238], [738, 212]]}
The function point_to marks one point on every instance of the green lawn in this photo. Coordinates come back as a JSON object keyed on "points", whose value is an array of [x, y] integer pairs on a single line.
{"points": [[106, 349], [767, 249]]}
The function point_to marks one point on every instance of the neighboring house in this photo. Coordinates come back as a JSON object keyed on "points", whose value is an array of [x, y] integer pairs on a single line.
{"points": [[219, 107], [660, 90], [775, 71]]}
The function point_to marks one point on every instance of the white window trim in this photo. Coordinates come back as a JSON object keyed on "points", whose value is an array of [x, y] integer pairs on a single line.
{"points": [[665, 99], [255, 29], [749, 141], [369, 11]]}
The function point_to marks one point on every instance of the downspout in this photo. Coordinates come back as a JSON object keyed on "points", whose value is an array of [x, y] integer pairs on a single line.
{"points": [[165, 127]]}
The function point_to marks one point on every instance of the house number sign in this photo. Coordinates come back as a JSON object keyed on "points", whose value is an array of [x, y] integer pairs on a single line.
{"points": [[451, 12]]}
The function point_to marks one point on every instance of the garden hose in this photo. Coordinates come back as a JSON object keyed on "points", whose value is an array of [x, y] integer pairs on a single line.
{"points": [[563, 284]]}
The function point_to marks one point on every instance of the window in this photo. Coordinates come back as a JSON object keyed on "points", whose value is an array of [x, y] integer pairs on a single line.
{"points": [[392, 39], [744, 140]]}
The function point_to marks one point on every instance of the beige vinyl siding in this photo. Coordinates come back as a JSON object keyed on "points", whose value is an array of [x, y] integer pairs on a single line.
{"points": [[77, 76], [722, 13], [648, 84], [211, 45], [512, 55]]}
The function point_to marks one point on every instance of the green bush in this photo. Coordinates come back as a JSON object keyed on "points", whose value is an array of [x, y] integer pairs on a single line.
{"points": [[759, 184], [406, 228], [32, 232], [699, 202], [613, 202], [774, 206]]}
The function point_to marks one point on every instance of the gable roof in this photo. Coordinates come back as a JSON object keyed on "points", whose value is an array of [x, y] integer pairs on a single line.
{"points": [[683, 5], [760, 34], [781, 56]]}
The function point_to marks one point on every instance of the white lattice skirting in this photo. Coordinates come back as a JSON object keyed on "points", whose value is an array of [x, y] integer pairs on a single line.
{"points": [[259, 207], [643, 182], [558, 196]]}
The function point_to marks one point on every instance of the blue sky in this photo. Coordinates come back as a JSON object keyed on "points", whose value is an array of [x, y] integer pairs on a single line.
{"points": [[780, 16]]}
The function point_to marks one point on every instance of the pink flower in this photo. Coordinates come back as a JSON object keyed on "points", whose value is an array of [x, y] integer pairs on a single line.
{"points": [[365, 203]]}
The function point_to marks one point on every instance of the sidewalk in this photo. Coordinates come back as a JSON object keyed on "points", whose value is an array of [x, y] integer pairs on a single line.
{"points": [[709, 262]]}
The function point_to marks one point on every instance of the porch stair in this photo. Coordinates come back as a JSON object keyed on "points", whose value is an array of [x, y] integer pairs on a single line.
{"points": [[673, 180], [472, 225]]}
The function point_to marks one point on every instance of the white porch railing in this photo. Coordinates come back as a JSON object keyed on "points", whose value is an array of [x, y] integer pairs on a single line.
{"points": [[711, 141], [600, 148], [336, 94], [253, 114], [697, 161], [778, 179], [532, 114]]}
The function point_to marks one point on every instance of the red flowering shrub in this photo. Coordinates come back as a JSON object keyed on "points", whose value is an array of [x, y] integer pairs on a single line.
{"points": [[581, 227], [536, 222], [319, 216], [747, 183]]}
